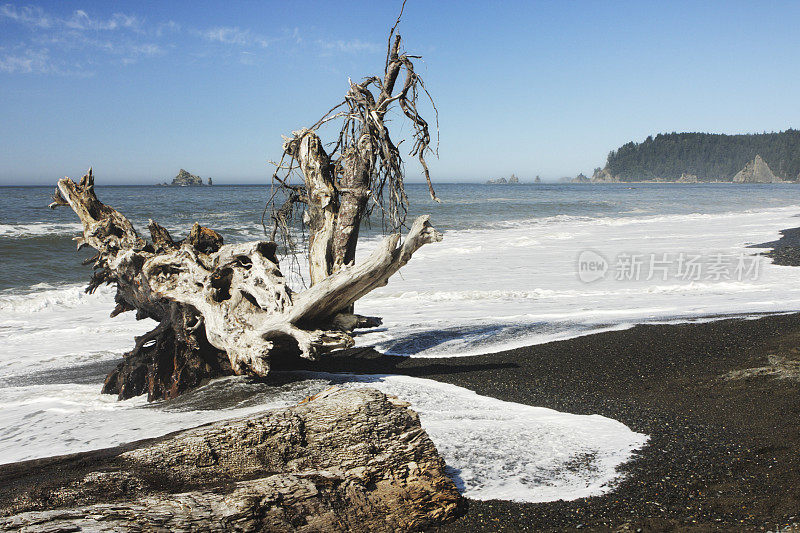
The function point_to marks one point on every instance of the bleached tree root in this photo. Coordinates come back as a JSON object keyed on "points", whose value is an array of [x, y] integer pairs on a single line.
{"points": [[221, 309]]}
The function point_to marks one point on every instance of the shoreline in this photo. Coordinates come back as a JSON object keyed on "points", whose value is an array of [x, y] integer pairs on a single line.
{"points": [[784, 251], [705, 468], [723, 454]]}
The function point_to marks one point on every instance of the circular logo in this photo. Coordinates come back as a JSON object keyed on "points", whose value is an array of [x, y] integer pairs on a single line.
{"points": [[591, 266]]}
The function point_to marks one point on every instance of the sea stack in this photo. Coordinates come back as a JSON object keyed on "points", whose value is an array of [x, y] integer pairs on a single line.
{"points": [[602, 175], [513, 180], [756, 171], [184, 179]]}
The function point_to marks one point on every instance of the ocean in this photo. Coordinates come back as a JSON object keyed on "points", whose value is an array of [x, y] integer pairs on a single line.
{"points": [[518, 265]]}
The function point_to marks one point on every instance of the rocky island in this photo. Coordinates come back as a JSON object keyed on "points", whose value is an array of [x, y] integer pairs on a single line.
{"points": [[705, 158], [513, 180], [185, 179], [756, 171]]}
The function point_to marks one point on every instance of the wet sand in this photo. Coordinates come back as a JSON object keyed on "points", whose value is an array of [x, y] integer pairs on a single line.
{"points": [[719, 400], [786, 250], [724, 454]]}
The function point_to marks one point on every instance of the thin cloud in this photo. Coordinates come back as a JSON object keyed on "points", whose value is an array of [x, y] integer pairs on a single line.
{"points": [[32, 60], [29, 15], [73, 44], [66, 45], [25, 61], [235, 36], [353, 46], [80, 20], [166, 27], [36, 17]]}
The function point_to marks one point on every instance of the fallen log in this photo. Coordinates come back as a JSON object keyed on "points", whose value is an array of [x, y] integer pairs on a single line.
{"points": [[221, 309], [345, 460]]}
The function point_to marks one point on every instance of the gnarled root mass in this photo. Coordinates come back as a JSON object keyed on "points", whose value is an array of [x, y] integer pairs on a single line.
{"points": [[222, 309]]}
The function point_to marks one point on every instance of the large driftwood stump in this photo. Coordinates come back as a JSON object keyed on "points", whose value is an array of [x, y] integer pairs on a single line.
{"points": [[347, 460], [226, 309], [222, 309]]}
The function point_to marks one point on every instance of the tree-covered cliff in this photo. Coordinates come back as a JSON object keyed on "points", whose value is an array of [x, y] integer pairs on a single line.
{"points": [[709, 156]]}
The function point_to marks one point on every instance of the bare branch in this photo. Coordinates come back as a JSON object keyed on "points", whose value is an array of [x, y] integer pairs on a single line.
{"points": [[365, 167]]}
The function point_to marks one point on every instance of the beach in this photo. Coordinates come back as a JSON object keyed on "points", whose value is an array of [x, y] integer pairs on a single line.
{"points": [[562, 294], [723, 455], [558, 401]]}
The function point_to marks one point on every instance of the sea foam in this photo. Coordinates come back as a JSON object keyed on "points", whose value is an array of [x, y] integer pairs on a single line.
{"points": [[62, 327], [493, 449], [519, 284], [505, 286]]}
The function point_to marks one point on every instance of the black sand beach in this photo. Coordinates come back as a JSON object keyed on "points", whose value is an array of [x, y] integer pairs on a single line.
{"points": [[720, 401], [786, 250], [724, 454]]}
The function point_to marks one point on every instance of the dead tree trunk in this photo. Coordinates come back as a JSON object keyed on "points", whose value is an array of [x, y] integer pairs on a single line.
{"points": [[364, 170], [221, 309], [322, 201]]}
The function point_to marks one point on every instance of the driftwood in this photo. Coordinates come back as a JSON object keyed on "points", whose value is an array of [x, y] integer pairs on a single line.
{"points": [[226, 309], [362, 171], [222, 309], [348, 460]]}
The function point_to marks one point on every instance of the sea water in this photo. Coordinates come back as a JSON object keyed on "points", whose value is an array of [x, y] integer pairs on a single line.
{"points": [[518, 265]]}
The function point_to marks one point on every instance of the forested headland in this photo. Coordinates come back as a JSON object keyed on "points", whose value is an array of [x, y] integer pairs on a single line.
{"points": [[708, 156]]}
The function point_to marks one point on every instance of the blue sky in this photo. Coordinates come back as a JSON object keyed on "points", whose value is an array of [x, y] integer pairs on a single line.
{"points": [[141, 89]]}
